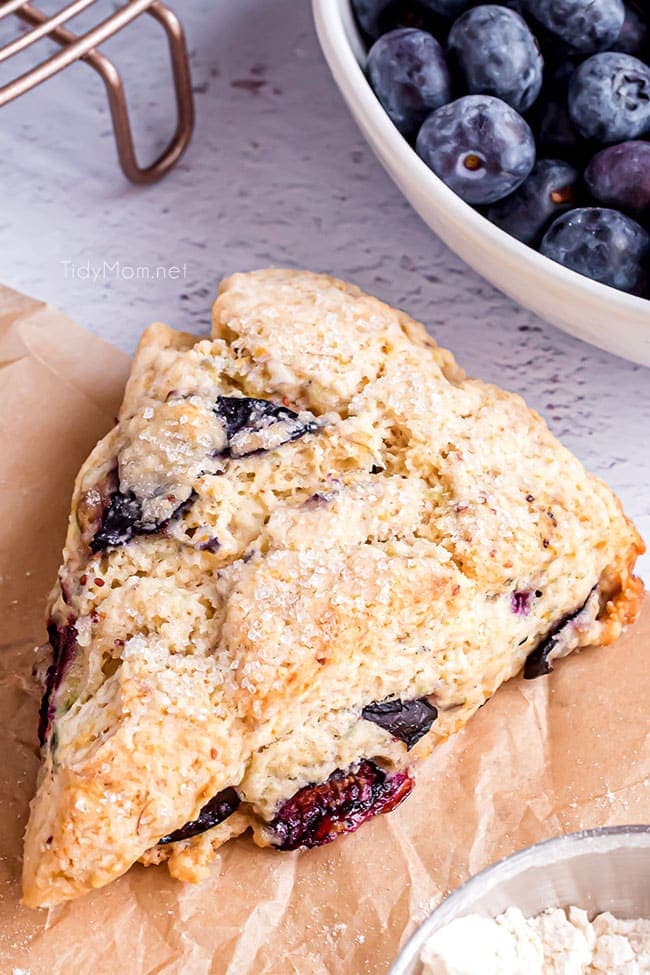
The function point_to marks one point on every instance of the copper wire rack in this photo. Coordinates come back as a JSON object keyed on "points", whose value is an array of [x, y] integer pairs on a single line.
{"points": [[84, 46]]}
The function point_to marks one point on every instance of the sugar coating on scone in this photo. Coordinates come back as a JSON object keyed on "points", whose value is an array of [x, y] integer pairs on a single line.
{"points": [[308, 552]]}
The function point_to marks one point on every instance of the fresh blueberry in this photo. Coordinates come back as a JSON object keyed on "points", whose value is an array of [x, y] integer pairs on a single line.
{"points": [[619, 177], [409, 76], [494, 53], [479, 146], [602, 244], [584, 25], [377, 17], [550, 189], [609, 97], [634, 37]]}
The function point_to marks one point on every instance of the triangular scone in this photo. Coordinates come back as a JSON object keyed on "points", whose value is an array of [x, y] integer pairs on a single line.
{"points": [[308, 552]]}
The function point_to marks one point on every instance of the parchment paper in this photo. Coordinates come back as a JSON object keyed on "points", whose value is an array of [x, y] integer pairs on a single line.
{"points": [[543, 757]]}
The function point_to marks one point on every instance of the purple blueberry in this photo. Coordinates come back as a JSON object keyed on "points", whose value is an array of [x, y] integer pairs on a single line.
{"points": [[122, 520], [609, 97], [550, 189], [479, 146], [211, 814], [318, 814], [494, 53], [409, 76], [602, 244], [619, 177], [407, 720], [584, 25], [377, 17], [634, 37]]}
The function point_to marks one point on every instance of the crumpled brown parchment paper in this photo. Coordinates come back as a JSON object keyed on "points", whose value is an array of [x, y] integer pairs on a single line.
{"points": [[557, 754]]}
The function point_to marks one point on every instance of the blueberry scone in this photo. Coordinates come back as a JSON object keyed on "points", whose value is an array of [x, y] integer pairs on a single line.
{"points": [[310, 549]]}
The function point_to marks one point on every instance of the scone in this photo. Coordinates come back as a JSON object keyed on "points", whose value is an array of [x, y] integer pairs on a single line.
{"points": [[307, 553]]}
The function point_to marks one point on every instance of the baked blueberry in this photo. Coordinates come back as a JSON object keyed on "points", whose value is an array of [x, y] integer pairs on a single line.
{"points": [[409, 76], [63, 641], [603, 244], [407, 720], [550, 189], [494, 53], [255, 425], [479, 146], [317, 814], [215, 811], [609, 97]]}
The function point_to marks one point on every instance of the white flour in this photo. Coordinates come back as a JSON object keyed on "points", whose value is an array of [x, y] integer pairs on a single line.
{"points": [[557, 942]]}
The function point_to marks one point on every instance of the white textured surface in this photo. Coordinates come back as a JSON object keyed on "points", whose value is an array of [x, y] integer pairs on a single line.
{"points": [[277, 173]]}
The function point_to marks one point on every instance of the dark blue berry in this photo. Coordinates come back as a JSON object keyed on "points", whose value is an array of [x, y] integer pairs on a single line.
{"points": [[256, 425], [409, 75], [584, 25], [634, 37], [550, 189], [406, 720], [619, 177], [479, 146], [211, 814], [609, 97], [494, 53], [602, 244], [377, 17]]}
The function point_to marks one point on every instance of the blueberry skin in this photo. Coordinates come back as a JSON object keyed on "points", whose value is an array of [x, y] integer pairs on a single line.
{"points": [[584, 25], [634, 37], [376, 17], [619, 177], [495, 53], [409, 76], [479, 146], [609, 97], [550, 189], [602, 244]]}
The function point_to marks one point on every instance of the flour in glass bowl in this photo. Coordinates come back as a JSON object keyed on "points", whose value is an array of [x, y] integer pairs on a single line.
{"points": [[556, 942]]}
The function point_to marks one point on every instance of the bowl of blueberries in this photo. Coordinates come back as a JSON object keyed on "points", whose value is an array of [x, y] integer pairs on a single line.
{"points": [[520, 132]]}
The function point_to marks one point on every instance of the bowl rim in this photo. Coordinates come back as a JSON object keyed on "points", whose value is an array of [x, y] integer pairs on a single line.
{"points": [[411, 948], [334, 19]]}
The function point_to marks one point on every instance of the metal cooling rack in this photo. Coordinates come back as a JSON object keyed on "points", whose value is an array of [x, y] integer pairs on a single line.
{"points": [[75, 47]]}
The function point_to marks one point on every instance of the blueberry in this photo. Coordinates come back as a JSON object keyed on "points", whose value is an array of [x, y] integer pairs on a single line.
{"points": [[211, 814], [409, 76], [63, 640], [479, 146], [634, 37], [538, 662], [584, 25], [317, 814], [123, 520], [494, 53], [609, 97], [602, 244], [619, 177], [550, 189], [257, 425], [407, 720], [555, 133], [376, 17]]}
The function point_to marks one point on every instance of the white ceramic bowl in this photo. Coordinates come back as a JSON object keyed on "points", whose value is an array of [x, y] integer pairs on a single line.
{"points": [[608, 318], [599, 870]]}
